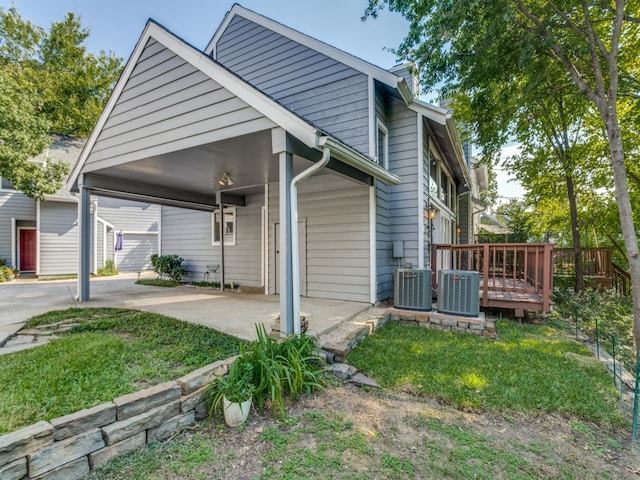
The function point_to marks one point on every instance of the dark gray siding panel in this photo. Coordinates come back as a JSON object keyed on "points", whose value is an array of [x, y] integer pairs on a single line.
{"points": [[327, 93], [13, 205], [188, 233], [58, 238]]}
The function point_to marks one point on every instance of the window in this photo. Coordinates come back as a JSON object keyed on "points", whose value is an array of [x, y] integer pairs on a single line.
{"points": [[382, 145], [229, 227]]}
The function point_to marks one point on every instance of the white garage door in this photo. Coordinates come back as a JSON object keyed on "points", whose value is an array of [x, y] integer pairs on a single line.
{"points": [[136, 252]]}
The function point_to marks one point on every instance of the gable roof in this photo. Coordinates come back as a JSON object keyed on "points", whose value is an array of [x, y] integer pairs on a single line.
{"points": [[369, 69], [310, 135]]}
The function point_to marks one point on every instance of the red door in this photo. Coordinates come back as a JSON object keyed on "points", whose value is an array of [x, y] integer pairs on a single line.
{"points": [[27, 250]]}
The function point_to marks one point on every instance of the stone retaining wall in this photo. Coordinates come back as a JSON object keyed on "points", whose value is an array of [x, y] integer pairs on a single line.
{"points": [[69, 447], [358, 331]]}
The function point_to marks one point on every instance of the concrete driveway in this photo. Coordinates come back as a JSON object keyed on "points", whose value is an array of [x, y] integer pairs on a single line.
{"points": [[229, 312]]}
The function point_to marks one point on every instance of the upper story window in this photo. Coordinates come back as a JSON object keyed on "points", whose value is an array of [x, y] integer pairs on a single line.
{"points": [[5, 184], [382, 144], [229, 227]]}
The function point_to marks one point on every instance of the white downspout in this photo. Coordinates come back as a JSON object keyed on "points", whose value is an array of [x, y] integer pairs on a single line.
{"points": [[295, 258]]}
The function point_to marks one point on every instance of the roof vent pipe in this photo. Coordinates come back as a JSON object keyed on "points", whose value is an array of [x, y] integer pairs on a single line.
{"points": [[295, 259]]}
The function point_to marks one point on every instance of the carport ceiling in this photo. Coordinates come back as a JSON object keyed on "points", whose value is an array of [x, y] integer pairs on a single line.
{"points": [[247, 159]]}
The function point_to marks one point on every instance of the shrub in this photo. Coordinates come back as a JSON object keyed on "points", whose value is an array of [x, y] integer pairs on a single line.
{"points": [[169, 266], [6, 273], [614, 314], [109, 269]]}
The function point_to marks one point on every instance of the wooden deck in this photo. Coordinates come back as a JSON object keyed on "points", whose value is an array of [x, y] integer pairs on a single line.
{"points": [[516, 276]]}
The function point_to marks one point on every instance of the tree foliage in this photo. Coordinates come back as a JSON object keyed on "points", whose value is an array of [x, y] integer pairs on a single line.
{"points": [[49, 83], [495, 52]]}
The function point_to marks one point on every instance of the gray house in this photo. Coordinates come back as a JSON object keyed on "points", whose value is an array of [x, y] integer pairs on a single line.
{"points": [[293, 165], [41, 237]]}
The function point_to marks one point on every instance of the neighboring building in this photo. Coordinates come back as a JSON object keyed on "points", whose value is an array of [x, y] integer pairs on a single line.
{"points": [[261, 103], [41, 237]]}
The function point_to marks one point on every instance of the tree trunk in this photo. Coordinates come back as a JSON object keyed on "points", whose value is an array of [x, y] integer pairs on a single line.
{"points": [[610, 118], [575, 234]]}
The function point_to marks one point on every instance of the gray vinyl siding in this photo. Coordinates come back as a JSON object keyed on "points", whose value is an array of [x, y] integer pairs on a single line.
{"points": [[336, 215], [136, 252], [58, 238], [188, 233], [403, 207], [426, 158], [100, 242], [13, 205], [167, 105], [385, 263], [323, 91], [129, 216]]}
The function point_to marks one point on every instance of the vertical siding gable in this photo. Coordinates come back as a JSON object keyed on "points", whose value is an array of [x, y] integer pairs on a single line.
{"points": [[292, 73]]}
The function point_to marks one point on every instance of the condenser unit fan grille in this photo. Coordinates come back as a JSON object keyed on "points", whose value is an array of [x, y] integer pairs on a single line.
{"points": [[413, 289], [459, 292]]}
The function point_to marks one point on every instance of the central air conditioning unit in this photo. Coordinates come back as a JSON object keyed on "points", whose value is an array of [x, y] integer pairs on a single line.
{"points": [[459, 292], [412, 289]]}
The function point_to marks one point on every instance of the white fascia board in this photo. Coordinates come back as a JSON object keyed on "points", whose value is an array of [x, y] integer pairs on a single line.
{"points": [[349, 156], [431, 112], [61, 198], [253, 97], [330, 51], [454, 138], [105, 222]]}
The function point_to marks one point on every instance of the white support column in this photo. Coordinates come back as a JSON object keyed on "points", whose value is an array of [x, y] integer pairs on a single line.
{"points": [[84, 238]]}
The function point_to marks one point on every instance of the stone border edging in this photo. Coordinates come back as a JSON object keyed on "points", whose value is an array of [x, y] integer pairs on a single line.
{"points": [[69, 447]]}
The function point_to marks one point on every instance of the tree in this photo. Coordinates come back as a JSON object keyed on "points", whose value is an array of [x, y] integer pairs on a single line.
{"points": [[473, 47], [49, 83]]}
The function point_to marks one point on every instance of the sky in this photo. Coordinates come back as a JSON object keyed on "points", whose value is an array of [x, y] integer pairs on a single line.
{"points": [[116, 25]]}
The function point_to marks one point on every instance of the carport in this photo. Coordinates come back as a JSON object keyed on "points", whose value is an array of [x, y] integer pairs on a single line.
{"points": [[178, 123]]}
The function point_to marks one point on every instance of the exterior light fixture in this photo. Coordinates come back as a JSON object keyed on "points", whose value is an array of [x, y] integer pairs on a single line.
{"points": [[225, 180], [431, 212]]}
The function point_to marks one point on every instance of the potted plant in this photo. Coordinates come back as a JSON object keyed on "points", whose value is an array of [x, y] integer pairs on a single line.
{"points": [[232, 393]]}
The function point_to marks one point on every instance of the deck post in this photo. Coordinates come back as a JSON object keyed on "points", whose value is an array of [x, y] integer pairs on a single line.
{"points": [[485, 275], [547, 283]]}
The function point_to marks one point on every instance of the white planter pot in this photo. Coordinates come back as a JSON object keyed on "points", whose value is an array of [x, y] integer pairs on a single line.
{"points": [[235, 414]]}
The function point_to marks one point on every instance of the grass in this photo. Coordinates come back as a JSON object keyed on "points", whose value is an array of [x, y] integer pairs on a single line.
{"points": [[110, 353], [529, 369]]}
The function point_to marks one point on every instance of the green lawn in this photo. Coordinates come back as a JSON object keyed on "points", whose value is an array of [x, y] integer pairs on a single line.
{"points": [[530, 368], [112, 352]]}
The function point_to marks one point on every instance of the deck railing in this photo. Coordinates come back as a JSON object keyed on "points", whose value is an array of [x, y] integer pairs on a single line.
{"points": [[506, 267], [596, 262]]}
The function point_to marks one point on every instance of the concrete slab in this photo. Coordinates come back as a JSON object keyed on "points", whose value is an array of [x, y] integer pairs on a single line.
{"points": [[230, 312]]}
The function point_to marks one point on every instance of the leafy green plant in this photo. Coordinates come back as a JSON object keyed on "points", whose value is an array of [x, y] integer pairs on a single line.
{"points": [[6, 273], [236, 387], [280, 370], [109, 269], [169, 266]]}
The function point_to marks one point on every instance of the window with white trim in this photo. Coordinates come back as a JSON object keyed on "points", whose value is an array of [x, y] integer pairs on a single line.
{"points": [[382, 144], [229, 226]]}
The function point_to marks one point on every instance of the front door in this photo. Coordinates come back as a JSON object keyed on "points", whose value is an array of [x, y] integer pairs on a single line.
{"points": [[302, 256], [28, 250]]}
